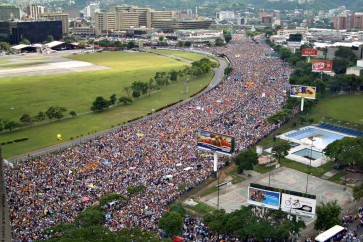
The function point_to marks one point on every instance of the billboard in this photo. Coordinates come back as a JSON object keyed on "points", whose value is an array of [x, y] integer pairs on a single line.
{"points": [[309, 52], [298, 205], [307, 92], [263, 198], [216, 142], [322, 66]]}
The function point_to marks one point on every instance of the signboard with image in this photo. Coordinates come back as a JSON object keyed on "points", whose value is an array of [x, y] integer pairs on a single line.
{"points": [[220, 143]]}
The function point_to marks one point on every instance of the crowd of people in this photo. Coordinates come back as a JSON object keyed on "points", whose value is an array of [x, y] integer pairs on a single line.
{"points": [[47, 190]]}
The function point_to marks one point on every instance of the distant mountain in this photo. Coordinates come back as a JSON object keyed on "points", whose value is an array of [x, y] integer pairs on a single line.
{"points": [[209, 7]]}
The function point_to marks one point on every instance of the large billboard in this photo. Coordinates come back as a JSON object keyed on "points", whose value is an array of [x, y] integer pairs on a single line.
{"points": [[322, 66], [309, 52], [220, 143], [307, 92], [263, 198], [298, 205]]}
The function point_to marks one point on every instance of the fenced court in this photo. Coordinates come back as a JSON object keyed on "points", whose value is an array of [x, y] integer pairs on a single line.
{"points": [[235, 196]]}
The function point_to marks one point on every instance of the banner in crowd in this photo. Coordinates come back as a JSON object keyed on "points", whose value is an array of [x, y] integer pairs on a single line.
{"points": [[322, 66], [263, 198], [216, 142], [307, 92], [298, 205], [309, 52]]}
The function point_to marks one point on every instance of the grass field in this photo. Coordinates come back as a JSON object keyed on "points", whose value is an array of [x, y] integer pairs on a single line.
{"points": [[45, 135], [19, 64], [76, 92], [347, 108]]}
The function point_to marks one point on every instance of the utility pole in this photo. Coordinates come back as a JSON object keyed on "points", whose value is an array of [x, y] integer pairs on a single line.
{"points": [[5, 231]]}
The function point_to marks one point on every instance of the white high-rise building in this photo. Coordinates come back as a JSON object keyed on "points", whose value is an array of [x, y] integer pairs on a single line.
{"points": [[225, 15], [90, 10]]}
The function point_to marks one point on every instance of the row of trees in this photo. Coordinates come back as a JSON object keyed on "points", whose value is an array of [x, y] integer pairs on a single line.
{"points": [[53, 113], [139, 88]]}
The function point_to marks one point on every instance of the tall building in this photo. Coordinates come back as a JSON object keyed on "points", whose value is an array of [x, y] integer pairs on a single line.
{"points": [[349, 21], [34, 11], [225, 15], [9, 12], [34, 31], [59, 16], [90, 10], [105, 22]]}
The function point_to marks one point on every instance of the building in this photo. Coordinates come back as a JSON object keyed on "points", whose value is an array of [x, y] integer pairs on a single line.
{"points": [[9, 12], [225, 15], [34, 11], [36, 32], [90, 10], [172, 25], [349, 21], [105, 22], [59, 16], [121, 18], [356, 70]]}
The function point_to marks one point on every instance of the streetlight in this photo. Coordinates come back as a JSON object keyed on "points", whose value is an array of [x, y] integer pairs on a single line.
{"points": [[310, 158], [186, 85]]}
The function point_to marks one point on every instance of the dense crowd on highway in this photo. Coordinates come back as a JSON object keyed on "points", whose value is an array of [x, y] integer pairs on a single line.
{"points": [[47, 190]]}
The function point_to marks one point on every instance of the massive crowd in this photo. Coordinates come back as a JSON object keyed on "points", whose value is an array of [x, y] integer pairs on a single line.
{"points": [[44, 191]]}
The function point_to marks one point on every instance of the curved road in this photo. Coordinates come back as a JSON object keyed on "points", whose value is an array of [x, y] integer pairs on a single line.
{"points": [[217, 78]]}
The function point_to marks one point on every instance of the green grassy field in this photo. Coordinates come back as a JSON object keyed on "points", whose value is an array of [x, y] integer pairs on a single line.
{"points": [[45, 135], [76, 92], [347, 108]]}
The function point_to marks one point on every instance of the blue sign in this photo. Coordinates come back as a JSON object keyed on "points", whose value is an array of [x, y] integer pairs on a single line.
{"points": [[263, 198]]}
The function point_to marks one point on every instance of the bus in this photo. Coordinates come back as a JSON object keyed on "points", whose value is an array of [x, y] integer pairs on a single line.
{"points": [[333, 234]]}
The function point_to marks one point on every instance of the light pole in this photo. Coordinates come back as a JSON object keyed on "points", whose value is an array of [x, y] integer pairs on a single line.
{"points": [[310, 158], [186, 85]]}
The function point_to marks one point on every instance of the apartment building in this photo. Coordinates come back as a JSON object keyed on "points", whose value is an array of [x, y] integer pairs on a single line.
{"points": [[34, 11], [349, 21], [105, 22], [9, 12]]}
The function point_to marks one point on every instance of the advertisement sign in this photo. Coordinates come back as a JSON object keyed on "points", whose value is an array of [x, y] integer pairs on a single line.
{"points": [[322, 66], [216, 142], [263, 198], [309, 52], [307, 92], [298, 205]]}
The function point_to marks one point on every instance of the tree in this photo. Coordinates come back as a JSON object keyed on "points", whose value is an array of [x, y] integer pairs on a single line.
{"points": [[150, 85], [280, 149], [130, 45], [246, 160], [5, 46], [73, 113], [327, 215], [127, 90], [25, 119], [340, 65], [141, 87], [216, 220], [40, 117], [49, 39], [125, 100], [136, 94], [345, 53], [113, 99], [173, 75], [171, 223], [25, 41], [91, 216], [161, 38], [1, 124], [100, 104], [348, 150], [55, 112], [187, 44], [228, 70], [219, 42], [10, 125]]}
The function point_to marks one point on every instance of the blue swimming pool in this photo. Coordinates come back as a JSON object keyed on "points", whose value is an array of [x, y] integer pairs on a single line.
{"points": [[326, 136], [308, 153]]}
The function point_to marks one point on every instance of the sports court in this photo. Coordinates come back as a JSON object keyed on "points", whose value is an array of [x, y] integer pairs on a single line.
{"points": [[235, 196]]}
